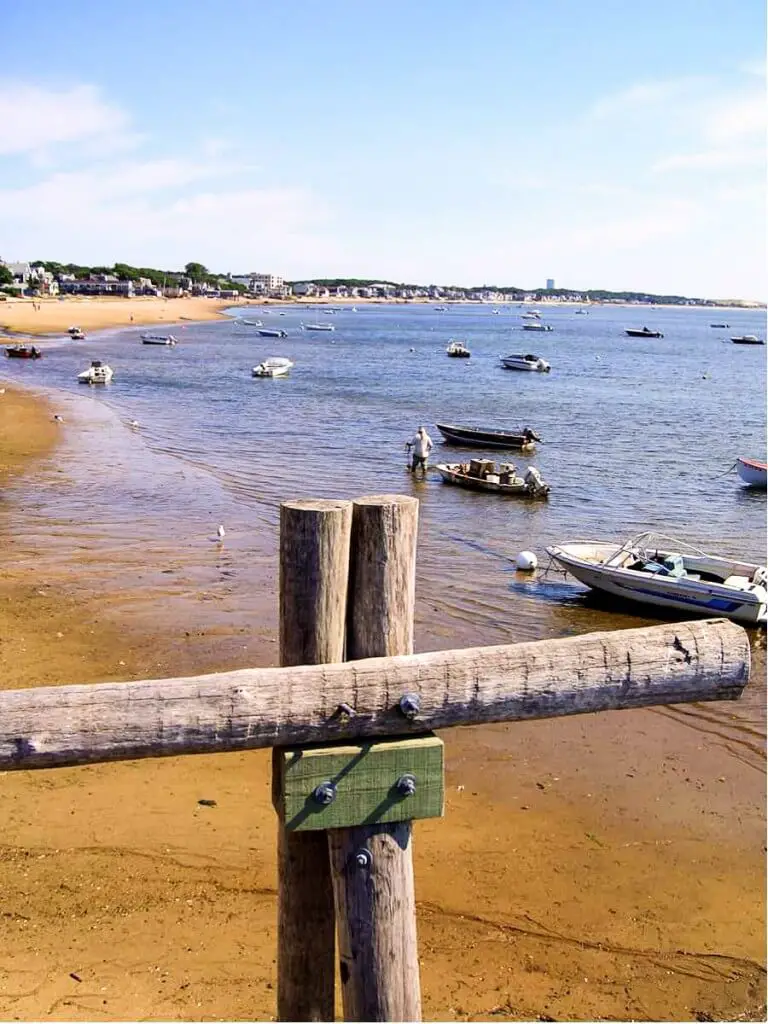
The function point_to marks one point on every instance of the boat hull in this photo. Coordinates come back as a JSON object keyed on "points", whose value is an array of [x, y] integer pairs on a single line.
{"points": [[519, 489], [642, 334], [476, 438], [273, 334], [747, 341], [753, 473], [25, 353], [688, 596]]}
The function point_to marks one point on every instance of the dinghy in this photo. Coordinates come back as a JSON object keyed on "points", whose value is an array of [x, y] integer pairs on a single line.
{"points": [[275, 366], [752, 472]]}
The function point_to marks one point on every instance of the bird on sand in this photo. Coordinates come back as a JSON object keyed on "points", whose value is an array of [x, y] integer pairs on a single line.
{"points": [[221, 531], [59, 419]]}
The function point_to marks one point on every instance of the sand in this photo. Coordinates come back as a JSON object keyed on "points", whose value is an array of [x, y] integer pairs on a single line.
{"points": [[605, 866]]}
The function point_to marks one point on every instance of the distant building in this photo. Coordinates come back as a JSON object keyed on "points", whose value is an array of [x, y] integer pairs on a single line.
{"points": [[98, 284], [550, 284]]}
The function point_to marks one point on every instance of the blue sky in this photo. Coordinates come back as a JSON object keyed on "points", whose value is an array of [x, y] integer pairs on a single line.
{"points": [[600, 143]]}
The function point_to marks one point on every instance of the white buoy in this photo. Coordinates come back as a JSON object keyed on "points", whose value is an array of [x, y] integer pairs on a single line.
{"points": [[527, 561]]}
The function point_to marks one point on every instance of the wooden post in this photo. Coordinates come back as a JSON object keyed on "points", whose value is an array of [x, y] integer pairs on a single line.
{"points": [[372, 865], [314, 568]]}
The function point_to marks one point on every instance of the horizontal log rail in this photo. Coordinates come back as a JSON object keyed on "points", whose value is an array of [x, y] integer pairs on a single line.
{"points": [[68, 725]]}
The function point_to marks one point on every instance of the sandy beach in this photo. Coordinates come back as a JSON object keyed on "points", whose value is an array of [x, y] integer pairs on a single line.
{"points": [[584, 869]]}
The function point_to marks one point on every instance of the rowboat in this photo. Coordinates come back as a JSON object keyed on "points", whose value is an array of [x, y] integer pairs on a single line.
{"points": [[275, 366], [158, 339], [22, 352], [719, 325], [273, 334], [477, 437], [458, 350], [97, 373], [752, 472], [482, 475], [318, 327], [667, 573], [747, 339], [529, 362], [536, 327], [642, 332]]}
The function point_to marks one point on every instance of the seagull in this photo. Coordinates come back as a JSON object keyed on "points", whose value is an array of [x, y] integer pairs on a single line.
{"points": [[59, 419], [220, 531], [133, 423]]}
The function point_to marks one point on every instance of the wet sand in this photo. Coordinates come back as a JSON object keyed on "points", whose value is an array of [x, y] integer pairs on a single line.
{"points": [[605, 866]]}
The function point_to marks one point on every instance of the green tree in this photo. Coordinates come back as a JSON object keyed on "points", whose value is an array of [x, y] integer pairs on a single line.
{"points": [[6, 277], [197, 271]]}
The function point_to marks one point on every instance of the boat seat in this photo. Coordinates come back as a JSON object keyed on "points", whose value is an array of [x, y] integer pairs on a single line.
{"points": [[737, 582]]}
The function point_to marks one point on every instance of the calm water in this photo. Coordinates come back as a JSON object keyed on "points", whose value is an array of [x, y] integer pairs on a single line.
{"points": [[638, 434]]}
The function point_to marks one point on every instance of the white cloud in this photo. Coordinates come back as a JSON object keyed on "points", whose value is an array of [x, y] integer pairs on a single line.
{"points": [[35, 119], [711, 159], [736, 118], [646, 95]]}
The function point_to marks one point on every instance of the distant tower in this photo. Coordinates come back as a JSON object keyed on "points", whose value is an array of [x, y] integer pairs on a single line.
{"points": [[550, 284]]}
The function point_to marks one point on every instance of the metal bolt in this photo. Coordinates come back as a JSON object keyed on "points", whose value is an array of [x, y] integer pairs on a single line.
{"points": [[347, 709], [406, 784], [363, 858], [325, 793], [410, 705]]}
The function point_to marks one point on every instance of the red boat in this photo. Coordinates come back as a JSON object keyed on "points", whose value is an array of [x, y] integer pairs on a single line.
{"points": [[22, 352]]}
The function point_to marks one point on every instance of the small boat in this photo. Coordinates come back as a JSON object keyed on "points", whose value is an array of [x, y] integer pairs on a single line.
{"points": [[536, 327], [23, 352], [719, 325], [75, 333], [580, 312], [752, 472], [483, 475], [266, 333], [318, 327], [249, 323], [275, 366], [158, 339], [534, 314], [656, 570], [440, 309], [747, 339], [642, 332], [478, 437], [529, 362], [97, 373], [458, 350]]}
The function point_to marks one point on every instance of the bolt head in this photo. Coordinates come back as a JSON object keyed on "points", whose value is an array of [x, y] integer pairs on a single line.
{"points": [[406, 784], [410, 705], [363, 858], [325, 793]]}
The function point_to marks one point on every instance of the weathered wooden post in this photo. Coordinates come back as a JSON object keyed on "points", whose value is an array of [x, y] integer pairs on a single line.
{"points": [[372, 865], [314, 568]]}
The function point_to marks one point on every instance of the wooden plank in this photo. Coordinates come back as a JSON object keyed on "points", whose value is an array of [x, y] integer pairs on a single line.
{"points": [[364, 779], [314, 570], [372, 865], [666, 664]]}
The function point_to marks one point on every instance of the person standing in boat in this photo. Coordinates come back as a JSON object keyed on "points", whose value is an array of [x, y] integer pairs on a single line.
{"points": [[421, 445]]}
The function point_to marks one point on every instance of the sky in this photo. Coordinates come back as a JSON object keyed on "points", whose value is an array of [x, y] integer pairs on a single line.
{"points": [[599, 143]]}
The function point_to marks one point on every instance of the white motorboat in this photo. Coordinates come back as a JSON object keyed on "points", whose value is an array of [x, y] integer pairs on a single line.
{"points": [[458, 350], [536, 326], [318, 327], [275, 366], [667, 573], [76, 333], [752, 472], [97, 373], [249, 323], [747, 339], [158, 339], [527, 362], [533, 314]]}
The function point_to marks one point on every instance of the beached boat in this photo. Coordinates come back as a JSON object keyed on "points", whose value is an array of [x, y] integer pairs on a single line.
{"points": [[536, 327], [528, 362], [642, 332], [266, 333], [747, 339], [23, 352], [478, 437], [667, 573], [719, 325], [752, 472], [97, 373], [483, 475], [158, 339], [75, 333], [458, 350], [318, 327], [275, 366]]}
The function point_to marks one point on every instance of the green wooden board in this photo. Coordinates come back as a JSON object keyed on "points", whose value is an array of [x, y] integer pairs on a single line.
{"points": [[365, 777]]}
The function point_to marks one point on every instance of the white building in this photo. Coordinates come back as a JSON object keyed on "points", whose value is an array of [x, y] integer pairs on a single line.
{"points": [[266, 283]]}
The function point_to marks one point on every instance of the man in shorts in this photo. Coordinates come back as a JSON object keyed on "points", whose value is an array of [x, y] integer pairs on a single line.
{"points": [[421, 443]]}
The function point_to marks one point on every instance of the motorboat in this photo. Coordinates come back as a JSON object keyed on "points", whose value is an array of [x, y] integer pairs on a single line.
{"points": [[458, 350], [580, 312], [747, 339], [97, 373], [642, 332], [23, 352], [528, 362], [533, 314], [483, 475], [75, 333], [249, 323], [158, 339], [318, 327], [668, 573], [752, 472], [275, 366], [719, 325], [478, 437], [536, 327], [440, 309], [266, 333]]}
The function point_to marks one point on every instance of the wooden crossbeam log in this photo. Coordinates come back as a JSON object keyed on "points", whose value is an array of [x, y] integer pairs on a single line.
{"points": [[672, 663]]}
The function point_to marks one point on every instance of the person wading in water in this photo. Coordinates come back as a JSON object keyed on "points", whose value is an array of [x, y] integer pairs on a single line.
{"points": [[421, 443]]}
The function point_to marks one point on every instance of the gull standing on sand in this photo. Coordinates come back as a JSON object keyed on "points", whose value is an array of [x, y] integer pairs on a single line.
{"points": [[58, 419], [221, 532]]}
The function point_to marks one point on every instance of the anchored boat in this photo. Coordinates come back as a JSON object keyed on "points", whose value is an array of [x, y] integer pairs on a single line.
{"points": [[529, 362], [642, 332], [458, 350], [752, 472], [477, 437], [275, 366], [482, 475], [97, 373]]}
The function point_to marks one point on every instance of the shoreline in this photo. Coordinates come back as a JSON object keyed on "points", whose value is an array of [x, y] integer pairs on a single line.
{"points": [[123, 857]]}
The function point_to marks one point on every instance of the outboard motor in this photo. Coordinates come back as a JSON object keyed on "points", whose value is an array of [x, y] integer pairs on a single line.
{"points": [[534, 483]]}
